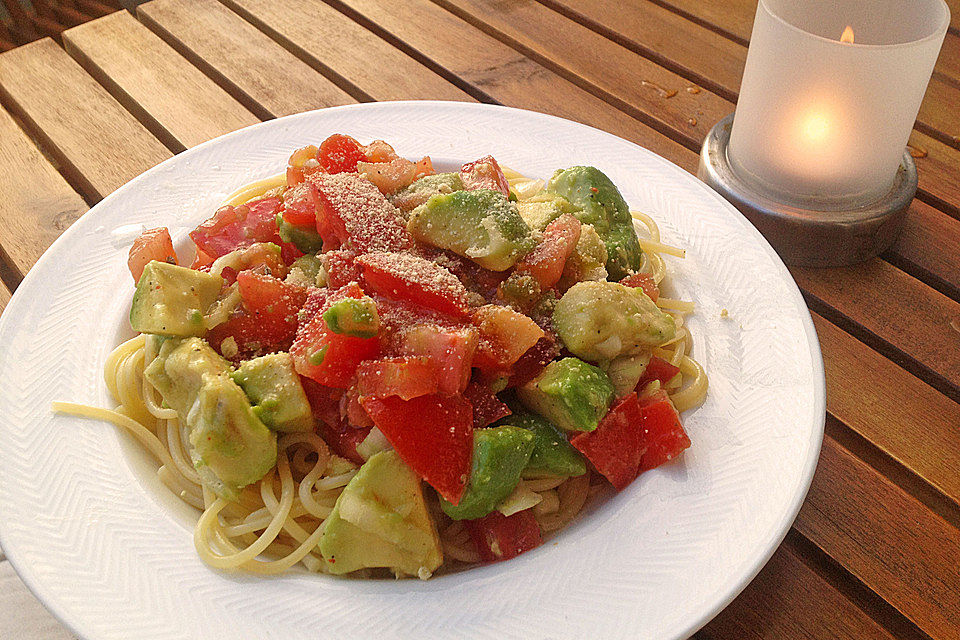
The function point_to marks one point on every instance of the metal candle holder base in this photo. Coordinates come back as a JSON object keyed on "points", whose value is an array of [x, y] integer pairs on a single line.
{"points": [[810, 237]]}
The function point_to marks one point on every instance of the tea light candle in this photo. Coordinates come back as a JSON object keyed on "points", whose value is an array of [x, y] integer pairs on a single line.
{"points": [[829, 96]]}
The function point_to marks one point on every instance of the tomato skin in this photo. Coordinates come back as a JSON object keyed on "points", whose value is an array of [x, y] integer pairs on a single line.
{"points": [[484, 173], [405, 377], [407, 277], [487, 407], [545, 262], [663, 432], [617, 445], [657, 369], [433, 434], [341, 437], [450, 350], [505, 335], [645, 282], [340, 154], [300, 204], [152, 244], [500, 537], [231, 228], [341, 267], [327, 357], [534, 360]]}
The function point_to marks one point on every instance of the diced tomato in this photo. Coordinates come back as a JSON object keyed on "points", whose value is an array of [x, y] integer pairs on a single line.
{"points": [[341, 267], [331, 358], [379, 151], [487, 407], [405, 276], [354, 213], [534, 360], [662, 430], [352, 411], [324, 401], [340, 154], [423, 167], [500, 537], [289, 253], [300, 204], [202, 262], [645, 282], [545, 262], [302, 162], [389, 177], [505, 335], [657, 369], [433, 434], [617, 445], [316, 302], [474, 277], [406, 377], [152, 244], [484, 173], [343, 439], [450, 350], [231, 228]]}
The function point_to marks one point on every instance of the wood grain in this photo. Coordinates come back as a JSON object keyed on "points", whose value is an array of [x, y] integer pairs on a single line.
{"points": [[930, 242], [36, 203], [338, 46], [4, 299], [177, 103], [787, 601], [96, 142], [262, 75], [937, 172], [904, 417], [891, 542]]}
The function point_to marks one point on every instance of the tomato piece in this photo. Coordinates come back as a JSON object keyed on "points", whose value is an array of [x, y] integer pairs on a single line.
{"points": [[341, 267], [545, 262], [433, 434], [645, 282], [534, 360], [340, 153], [152, 244], [405, 276], [406, 377], [300, 204], [423, 167], [505, 335], [657, 369], [484, 173], [327, 357], [351, 411], [231, 228], [324, 401], [500, 537], [379, 151], [202, 261], [662, 431], [354, 213], [389, 177], [487, 407], [617, 445], [450, 349]]}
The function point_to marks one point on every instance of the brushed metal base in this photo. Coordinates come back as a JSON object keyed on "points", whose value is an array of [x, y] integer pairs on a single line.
{"points": [[810, 237]]}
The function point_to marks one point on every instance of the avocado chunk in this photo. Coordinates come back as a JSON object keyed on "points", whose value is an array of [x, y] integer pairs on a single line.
{"points": [[543, 209], [229, 445], [552, 454], [411, 197], [482, 225], [355, 317], [588, 260], [599, 321], [274, 389], [499, 457], [570, 393], [625, 371], [172, 300], [381, 520], [601, 205], [305, 238], [304, 271]]}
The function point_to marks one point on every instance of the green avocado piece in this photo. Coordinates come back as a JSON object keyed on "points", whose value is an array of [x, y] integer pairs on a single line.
{"points": [[482, 225], [599, 321], [229, 445], [304, 271], [355, 317], [381, 520], [544, 209], [172, 300], [552, 454], [625, 371], [274, 389], [570, 393], [305, 238], [411, 197], [499, 457], [601, 205]]}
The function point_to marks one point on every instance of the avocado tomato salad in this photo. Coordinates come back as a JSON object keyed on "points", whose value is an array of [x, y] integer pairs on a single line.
{"points": [[445, 336]]}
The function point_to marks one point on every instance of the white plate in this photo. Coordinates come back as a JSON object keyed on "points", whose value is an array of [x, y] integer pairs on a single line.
{"points": [[107, 551]]}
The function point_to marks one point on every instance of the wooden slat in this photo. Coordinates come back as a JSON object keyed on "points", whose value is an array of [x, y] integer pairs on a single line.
{"points": [[552, 38], [338, 46], [892, 305], [891, 542], [180, 105], [24, 616], [36, 203], [930, 241], [937, 171], [904, 417], [948, 64], [264, 76], [96, 141], [4, 299], [788, 601]]}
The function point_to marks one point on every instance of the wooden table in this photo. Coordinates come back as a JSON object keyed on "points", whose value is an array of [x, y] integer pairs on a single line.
{"points": [[875, 551]]}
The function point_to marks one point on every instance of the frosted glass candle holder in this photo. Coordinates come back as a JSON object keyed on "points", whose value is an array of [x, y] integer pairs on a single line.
{"points": [[829, 95]]}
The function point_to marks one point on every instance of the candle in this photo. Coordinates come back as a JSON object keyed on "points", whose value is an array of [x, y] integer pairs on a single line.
{"points": [[829, 96]]}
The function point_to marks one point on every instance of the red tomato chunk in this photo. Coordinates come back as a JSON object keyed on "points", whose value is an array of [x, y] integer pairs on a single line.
{"points": [[340, 153], [449, 349], [484, 173], [658, 369], [500, 537], [231, 228], [487, 407], [152, 244], [405, 377], [403, 276], [663, 433], [616, 446], [505, 335], [300, 204], [545, 262], [645, 282]]}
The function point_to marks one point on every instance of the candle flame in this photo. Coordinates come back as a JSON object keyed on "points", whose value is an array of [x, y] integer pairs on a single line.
{"points": [[847, 35]]}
